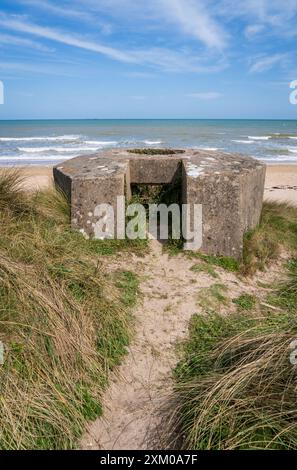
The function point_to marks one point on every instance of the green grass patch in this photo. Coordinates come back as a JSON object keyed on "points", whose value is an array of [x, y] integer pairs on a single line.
{"points": [[213, 297], [245, 302], [225, 262], [204, 268], [235, 385], [65, 321], [128, 282], [277, 229], [154, 151]]}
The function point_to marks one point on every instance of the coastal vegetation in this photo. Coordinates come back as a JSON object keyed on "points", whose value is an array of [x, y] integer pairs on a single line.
{"points": [[65, 319], [235, 383]]}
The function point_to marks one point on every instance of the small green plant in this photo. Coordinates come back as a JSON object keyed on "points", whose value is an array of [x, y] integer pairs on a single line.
{"points": [[245, 302], [204, 268], [128, 282], [225, 262], [213, 298]]}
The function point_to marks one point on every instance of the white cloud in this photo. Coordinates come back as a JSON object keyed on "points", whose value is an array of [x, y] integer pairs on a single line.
{"points": [[264, 63], [23, 42], [174, 61], [67, 11], [253, 30], [138, 97], [65, 38], [167, 59], [195, 20], [137, 74], [58, 9], [40, 68], [206, 96], [278, 16]]}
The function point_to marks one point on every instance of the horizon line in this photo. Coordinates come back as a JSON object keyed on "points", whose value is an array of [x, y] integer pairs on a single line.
{"points": [[148, 119]]}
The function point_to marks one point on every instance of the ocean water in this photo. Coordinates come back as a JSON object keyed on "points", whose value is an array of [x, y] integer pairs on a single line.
{"points": [[50, 142]]}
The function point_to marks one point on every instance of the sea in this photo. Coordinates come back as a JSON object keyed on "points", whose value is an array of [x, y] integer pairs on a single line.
{"points": [[47, 142]]}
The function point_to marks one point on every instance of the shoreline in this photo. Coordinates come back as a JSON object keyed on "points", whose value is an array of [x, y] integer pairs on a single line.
{"points": [[280, 183]]}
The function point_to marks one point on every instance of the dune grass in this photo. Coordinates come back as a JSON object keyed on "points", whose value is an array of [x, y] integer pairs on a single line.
{"points": [[235, 385], [65, 321], [276, 231]]}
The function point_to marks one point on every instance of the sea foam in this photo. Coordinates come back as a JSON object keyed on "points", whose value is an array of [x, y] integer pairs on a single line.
{"points": [[46, 138], [260, 137]]}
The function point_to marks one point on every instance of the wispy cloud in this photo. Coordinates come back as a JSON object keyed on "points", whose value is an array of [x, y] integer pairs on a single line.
{"points": [[139, 74], [64, 38], [71, 12], [253, 30], [278, 17], [23, 42], [206, 96], [40, 68], [60, 10], [195, 20], [167, 59], [181, 62], [138, 97], [265, 63]]}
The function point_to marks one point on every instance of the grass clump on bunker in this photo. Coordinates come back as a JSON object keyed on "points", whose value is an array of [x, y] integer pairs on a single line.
{"points": [[154, 151], [65, 321]]}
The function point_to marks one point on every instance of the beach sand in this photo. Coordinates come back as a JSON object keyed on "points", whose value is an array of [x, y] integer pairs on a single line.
{"points": [[280, 184]]}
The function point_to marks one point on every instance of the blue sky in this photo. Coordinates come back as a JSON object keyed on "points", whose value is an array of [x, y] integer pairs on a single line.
{"points": [[148, 59]]}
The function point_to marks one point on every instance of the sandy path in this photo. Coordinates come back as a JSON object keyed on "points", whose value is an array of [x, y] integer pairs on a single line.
{"points": [[132, 400], [170, 291]]}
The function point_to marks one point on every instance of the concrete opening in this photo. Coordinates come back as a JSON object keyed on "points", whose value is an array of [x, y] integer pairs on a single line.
{"points": [[150, 184]]}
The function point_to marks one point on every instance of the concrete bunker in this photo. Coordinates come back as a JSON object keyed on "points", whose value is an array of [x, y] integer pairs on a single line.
{"points": [[228, 186]]}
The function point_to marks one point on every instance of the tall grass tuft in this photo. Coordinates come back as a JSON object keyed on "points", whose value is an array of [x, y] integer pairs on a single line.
{"points": [[64, 321], [12, 196], [277, 230], [236, 387]]}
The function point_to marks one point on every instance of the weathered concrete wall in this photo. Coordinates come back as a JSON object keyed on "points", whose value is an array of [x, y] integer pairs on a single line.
{"points": [[154, 170], [219, 196], [251, 196], [229, 187]]}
